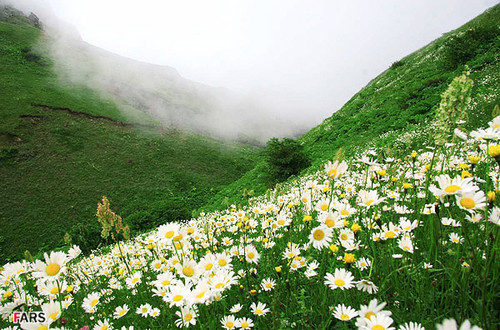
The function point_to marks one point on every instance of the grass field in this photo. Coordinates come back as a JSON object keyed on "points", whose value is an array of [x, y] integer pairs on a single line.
{"points": [[55, 165]]}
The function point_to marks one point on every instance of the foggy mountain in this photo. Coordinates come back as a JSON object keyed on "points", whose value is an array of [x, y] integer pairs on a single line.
{"points": [[158, 91]]}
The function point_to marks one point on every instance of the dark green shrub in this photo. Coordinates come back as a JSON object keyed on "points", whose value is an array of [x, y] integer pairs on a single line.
{"points": [[171, 209], [397, 64], [158, 213], [462, 48], [87, 235], [8, 153], [285, 158], [31, 55], [140, 220]]}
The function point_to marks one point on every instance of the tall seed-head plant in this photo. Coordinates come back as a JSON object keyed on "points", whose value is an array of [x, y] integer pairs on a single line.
{"points": [[453, 107], [110, 221]]}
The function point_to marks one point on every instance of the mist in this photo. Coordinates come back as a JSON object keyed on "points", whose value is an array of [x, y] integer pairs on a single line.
{"points": [[246, 70]]}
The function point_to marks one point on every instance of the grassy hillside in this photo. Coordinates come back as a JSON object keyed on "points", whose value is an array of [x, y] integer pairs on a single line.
{"points": [[402, 98], [62, 148]]}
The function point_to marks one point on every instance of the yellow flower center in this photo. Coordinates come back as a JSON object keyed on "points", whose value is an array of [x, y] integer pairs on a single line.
{"points": [[318, 234], [269, 285], [344, 317], [53, 316], [452, 189], [43, 327], [378, 327], [244, 325], [122, 312], [344, 212], [52, 269], [222, 262], [177, 297], [494, 151], [94, 302], [169, 234], [281, 222], [165, 282], [468, 203], [339, 282], [134, 280], [219, 285], [200, 295], [369, 315], [259, 312], [389, 234], [343, 237], [324, 207], [188, 317], [188, 271], [330, 223], [332, 173], [229, 324], [251, 255], [369, 202], [209, 266], [54, 290]]}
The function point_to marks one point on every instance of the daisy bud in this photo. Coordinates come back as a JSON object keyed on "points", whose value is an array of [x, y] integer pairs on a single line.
{"points": [[334, 248], [491, 196], [349, 258], [474, 159], [7, 295], [407, 185], [355, 227], [494, 151]]}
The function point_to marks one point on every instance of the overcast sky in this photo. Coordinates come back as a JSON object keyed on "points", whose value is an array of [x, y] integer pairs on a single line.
{"points": [[299, 57]]}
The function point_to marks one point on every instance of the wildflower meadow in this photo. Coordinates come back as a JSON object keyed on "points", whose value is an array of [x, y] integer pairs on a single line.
{"points": [[371, 242]]}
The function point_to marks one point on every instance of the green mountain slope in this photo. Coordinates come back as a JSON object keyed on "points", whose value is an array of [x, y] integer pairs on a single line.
{"points": [[410, 91], [63, 147], [402, 98]]}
